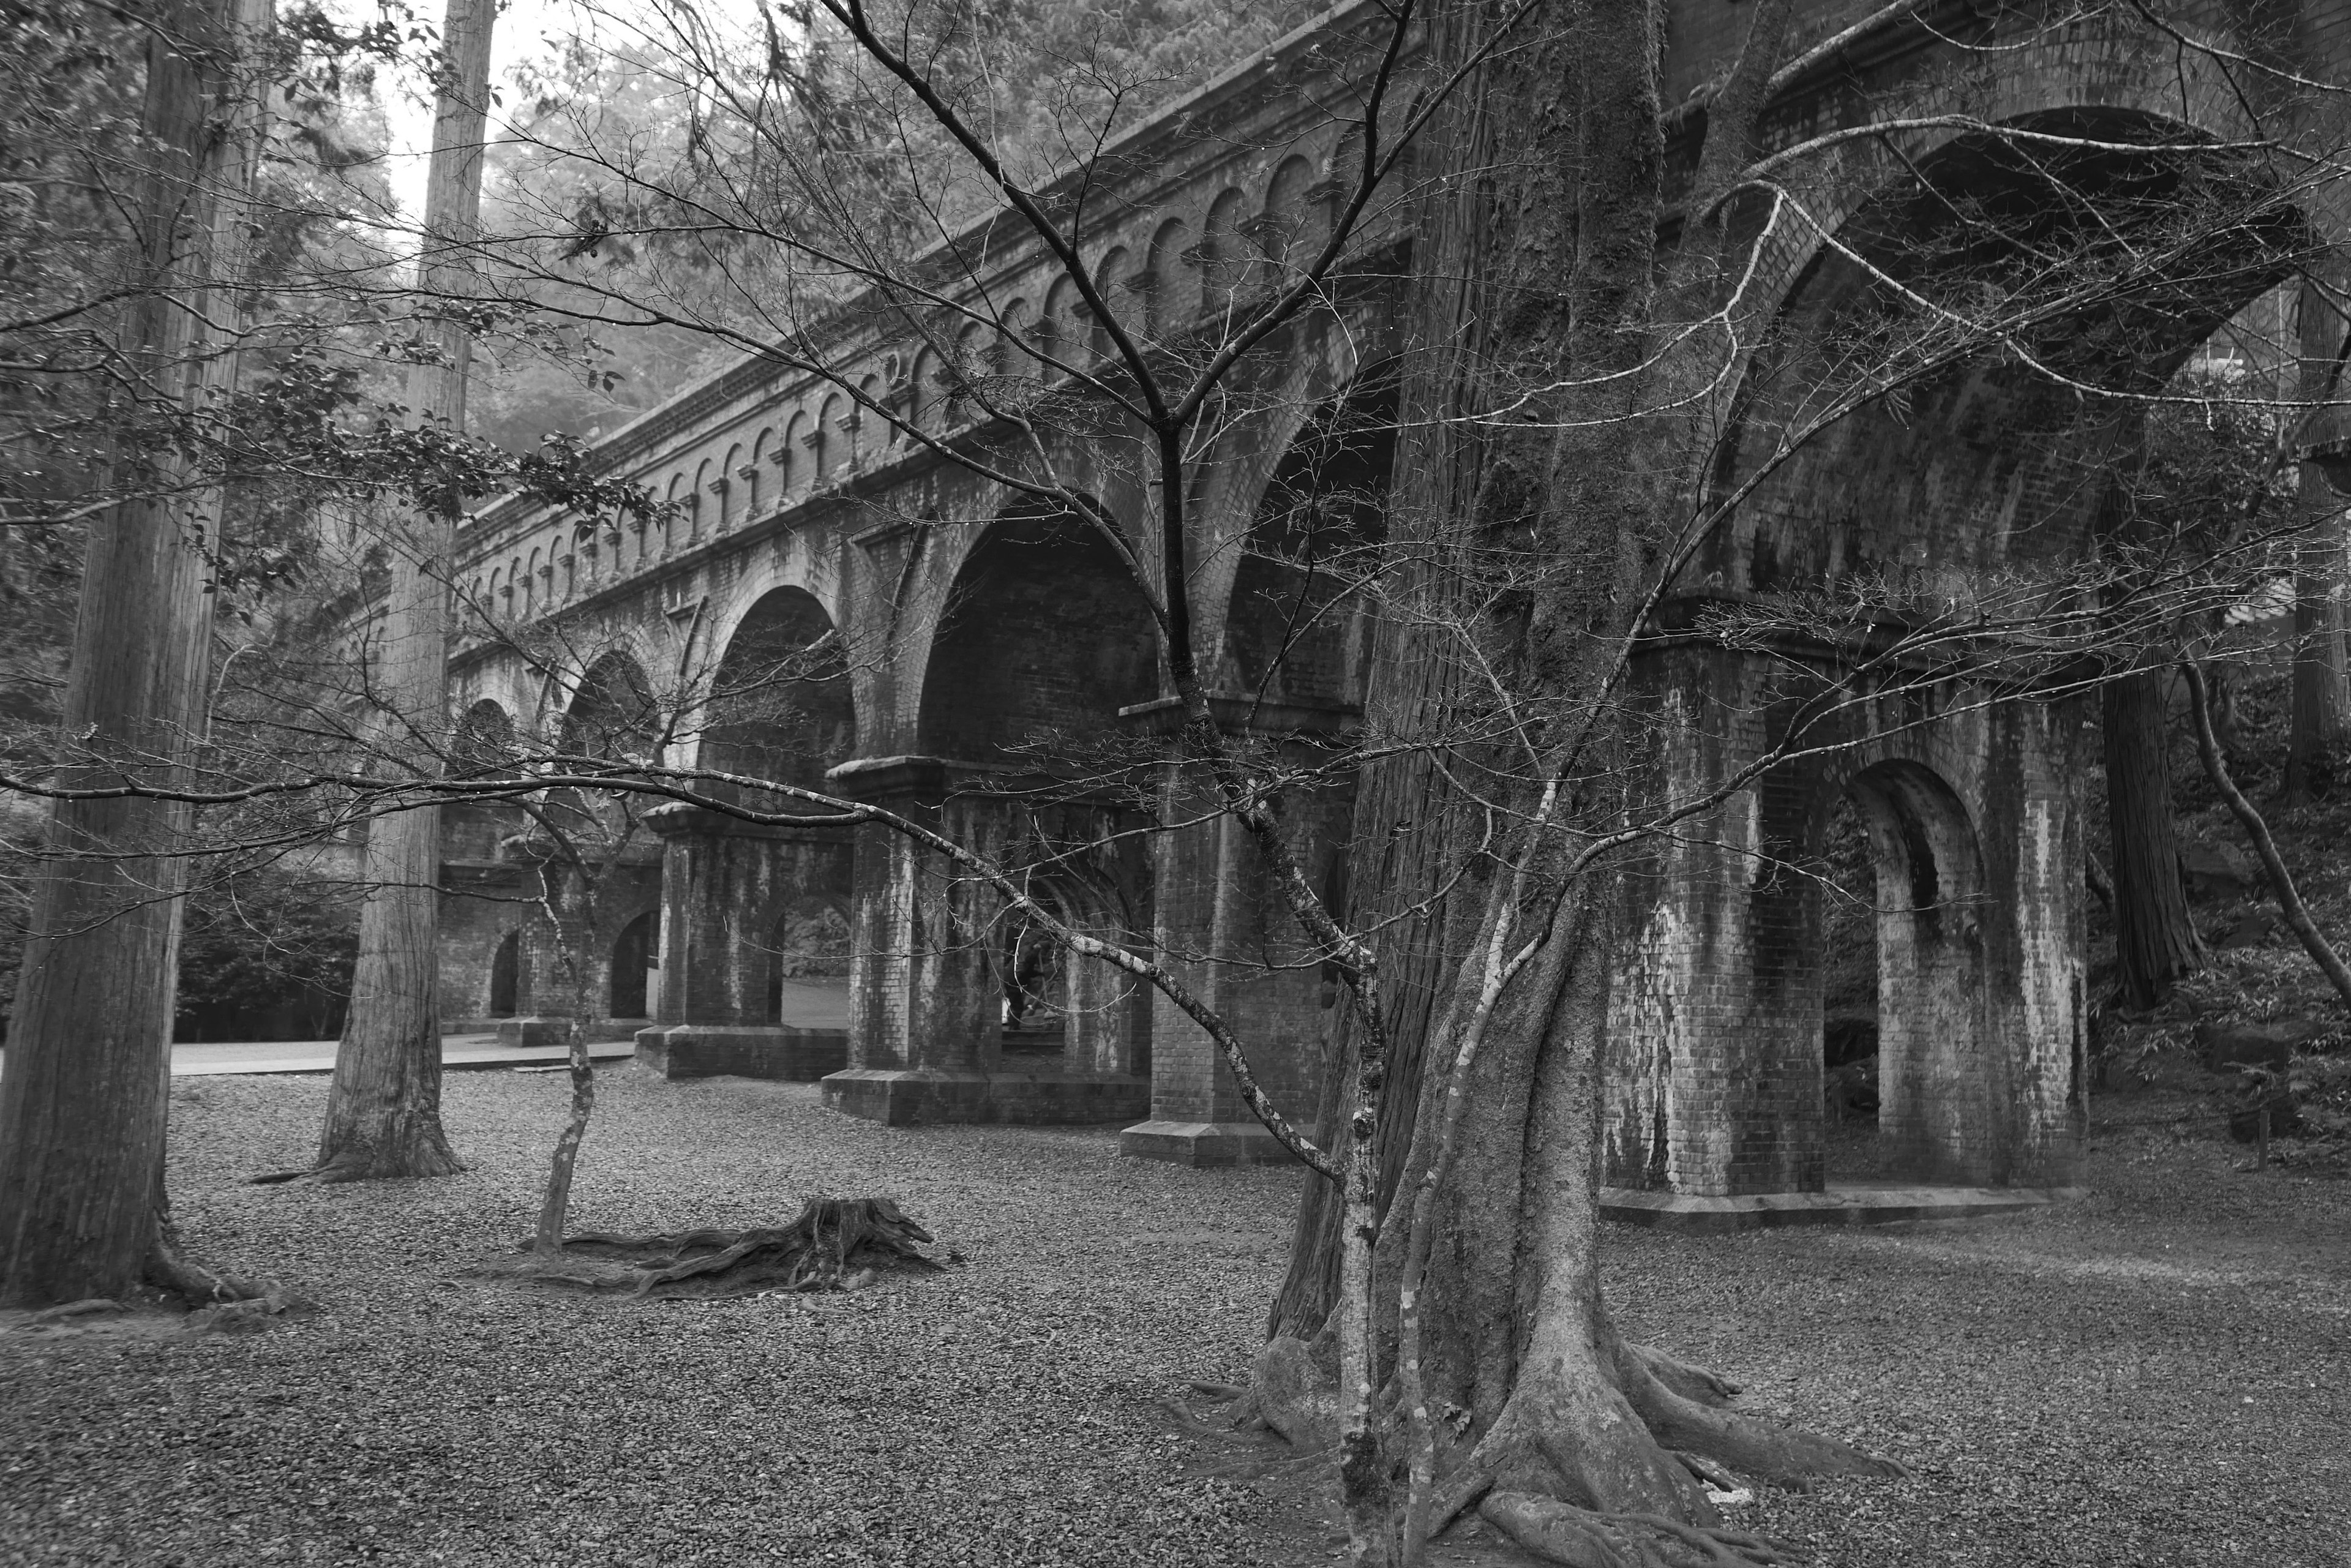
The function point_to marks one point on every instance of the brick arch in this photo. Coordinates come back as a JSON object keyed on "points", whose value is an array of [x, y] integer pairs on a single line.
{"points": [[779, 703], [1985, 461], [1042, 628], [2099, 64], [1313, 367], [1292, 633]]}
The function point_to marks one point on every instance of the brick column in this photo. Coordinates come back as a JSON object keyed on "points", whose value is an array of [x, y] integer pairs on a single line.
{"points": [[723, 883]]}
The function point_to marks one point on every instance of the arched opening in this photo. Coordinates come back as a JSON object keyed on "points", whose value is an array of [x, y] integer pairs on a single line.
{"points": [[1989, 460], [634, 954], [780, 707], [1172, 296], [1293, 630], [1849, 1041], [1223, 267], [505, 977], [794, 461], [1057, 336], [1284, 237], [613, 720], [1928, 876], [807, 953], [1081, 1013], [1044, 639], [830, 438]]}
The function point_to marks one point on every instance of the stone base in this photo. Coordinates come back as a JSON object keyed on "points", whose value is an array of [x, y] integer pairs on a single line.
{"points": [[716, 1050], [1203, 1144], [903, 1097], [1837, 1206], [528, 1033]]}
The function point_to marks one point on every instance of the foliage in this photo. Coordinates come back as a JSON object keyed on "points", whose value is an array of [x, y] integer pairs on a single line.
{"points": [[266, 952]]}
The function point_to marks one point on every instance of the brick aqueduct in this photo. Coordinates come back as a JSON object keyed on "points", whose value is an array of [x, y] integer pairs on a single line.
{"points": [[823, 952]]}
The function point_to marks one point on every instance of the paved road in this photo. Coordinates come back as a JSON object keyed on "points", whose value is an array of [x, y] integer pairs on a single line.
{"points": [[459, 1051]]}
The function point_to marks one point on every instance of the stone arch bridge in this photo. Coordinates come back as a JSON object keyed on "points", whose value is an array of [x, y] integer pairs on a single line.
{"points": [[950, 621]]}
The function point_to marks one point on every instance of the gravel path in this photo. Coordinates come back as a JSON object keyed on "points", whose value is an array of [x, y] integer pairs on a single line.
{"points": [[1002, 1413], [2156, 1376]]}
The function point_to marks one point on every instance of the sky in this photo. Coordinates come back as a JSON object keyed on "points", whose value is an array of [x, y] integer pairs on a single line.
{"points": [[518, 35]]}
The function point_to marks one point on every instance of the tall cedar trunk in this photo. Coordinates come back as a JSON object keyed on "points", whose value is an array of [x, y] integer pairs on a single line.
{"points": [[2155, 936], [384, 1113], [1488, 1325], [83, 1102], [2317, 719]]}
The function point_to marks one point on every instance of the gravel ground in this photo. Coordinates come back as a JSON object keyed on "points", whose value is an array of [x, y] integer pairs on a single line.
{"points": [[2155, 1376]]}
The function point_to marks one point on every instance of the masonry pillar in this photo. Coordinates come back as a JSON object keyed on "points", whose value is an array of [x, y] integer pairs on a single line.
{"points": [[1237, 946], [728, 885], [1713, 1057], [925, 1021]]}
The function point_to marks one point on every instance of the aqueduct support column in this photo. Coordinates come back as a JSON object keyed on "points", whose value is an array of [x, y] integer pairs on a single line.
{"points": [[1714, 1064], [927, 978], [749, 987], [1227, 935]]}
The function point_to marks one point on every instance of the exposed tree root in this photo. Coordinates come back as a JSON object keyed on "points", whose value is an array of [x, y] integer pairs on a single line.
{"points": [[1587, 1538], [1607, 1467], [1687, 1411], [836, 1243], [167, 1270], [363, 1162]]}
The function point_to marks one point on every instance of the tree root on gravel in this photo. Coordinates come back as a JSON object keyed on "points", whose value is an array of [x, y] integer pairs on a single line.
{"points": [[1606, 1499], [837, 1243], [1587, 1538]]}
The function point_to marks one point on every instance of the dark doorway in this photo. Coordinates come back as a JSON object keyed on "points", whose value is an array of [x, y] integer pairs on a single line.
{"points": [[505, 966], [633, 956]]}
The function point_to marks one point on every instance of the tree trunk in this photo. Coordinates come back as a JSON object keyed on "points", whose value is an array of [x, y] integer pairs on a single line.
{"points": [[383, 1112], [2155, 937], [2318, 720], [84, 1099], [1503, 1374]]}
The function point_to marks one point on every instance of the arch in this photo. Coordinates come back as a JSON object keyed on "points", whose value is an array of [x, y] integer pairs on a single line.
{"points": [[1935, 1095], [805, 952], [974, 363], [694, 495], [1090, 1015], [871, 435], [792, 468], [1295, 634], [1043, 632], [611, 718], [1057, 334], [831, 441], [1111, 283], [780, 705], [1173, 294], [1284, 221], [505, 977], [531, 585], [1223, 265], [926, 394], [483, 746], [499, 589], [1986, 462], [635, 952], [1009, 349], [762, 451], [729, 489]]}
